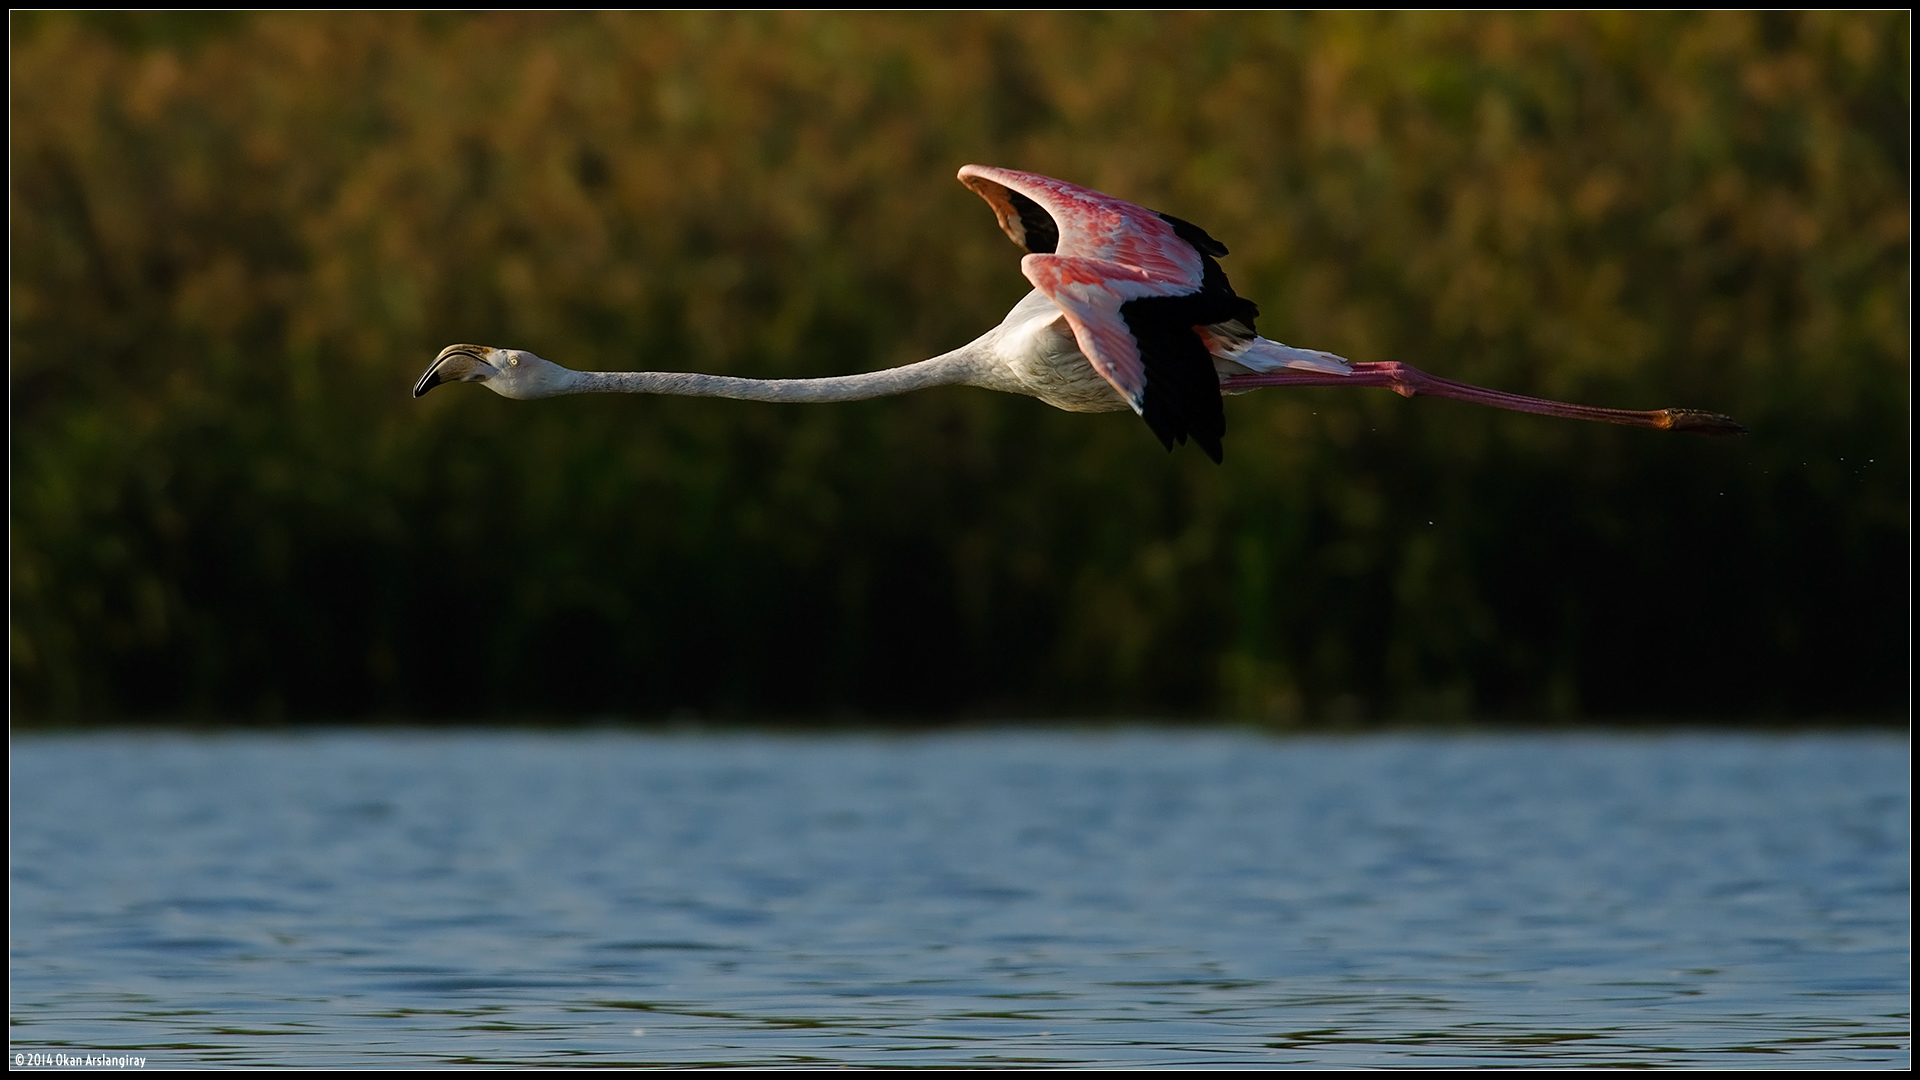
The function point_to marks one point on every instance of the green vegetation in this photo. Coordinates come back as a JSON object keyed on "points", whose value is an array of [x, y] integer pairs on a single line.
{"points": [[237, 240]]}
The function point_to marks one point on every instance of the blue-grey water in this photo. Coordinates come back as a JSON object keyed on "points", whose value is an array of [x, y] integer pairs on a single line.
{"points": [[991, 898]]}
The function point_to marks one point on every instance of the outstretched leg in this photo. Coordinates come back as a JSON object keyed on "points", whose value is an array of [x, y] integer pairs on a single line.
{"points": [[1411, 381]]}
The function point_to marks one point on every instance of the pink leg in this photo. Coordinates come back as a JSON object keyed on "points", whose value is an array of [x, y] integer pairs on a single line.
{"points": [[1410, 381]]}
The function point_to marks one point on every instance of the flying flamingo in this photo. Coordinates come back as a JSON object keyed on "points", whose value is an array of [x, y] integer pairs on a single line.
{"points": [[1129, 310]]}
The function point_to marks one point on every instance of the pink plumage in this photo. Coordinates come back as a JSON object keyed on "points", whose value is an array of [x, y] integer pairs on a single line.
{"points": [[1140, 290]]}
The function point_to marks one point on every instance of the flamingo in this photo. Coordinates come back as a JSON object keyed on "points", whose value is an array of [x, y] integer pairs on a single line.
{"points": [[1129, 309]]}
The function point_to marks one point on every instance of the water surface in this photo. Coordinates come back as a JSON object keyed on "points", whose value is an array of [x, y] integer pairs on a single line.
{"points": [[1133, 898]]}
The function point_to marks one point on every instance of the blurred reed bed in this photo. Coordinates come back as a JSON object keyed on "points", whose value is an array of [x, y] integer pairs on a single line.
{"points": [[238, 239]]}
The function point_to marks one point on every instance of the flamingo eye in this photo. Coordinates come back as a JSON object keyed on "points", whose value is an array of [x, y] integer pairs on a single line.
{"points": [[513, 361]]}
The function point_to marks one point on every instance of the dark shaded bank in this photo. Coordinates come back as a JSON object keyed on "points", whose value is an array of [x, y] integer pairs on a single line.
{"points": [[691, 726], [237, 241]]}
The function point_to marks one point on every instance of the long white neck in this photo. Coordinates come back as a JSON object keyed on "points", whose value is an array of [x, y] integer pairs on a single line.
{"points": [[969, 365]]}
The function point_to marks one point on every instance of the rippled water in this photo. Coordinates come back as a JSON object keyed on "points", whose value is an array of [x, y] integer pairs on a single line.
{"points": [[987, 898]]}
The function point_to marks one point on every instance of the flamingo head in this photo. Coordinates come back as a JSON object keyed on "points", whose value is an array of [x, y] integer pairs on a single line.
{"points": [[513, 373]]}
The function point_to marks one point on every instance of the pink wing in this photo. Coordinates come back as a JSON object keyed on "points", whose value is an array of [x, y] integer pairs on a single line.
{"points": [[1091, 225], [1136, 288], [1103, 253], [1090, 292]]}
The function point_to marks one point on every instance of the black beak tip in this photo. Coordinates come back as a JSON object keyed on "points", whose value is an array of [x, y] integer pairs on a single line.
{"points": [[427, 382]]}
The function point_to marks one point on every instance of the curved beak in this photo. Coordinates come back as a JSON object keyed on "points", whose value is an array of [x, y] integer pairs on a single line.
{"points": [[456, 363]]}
